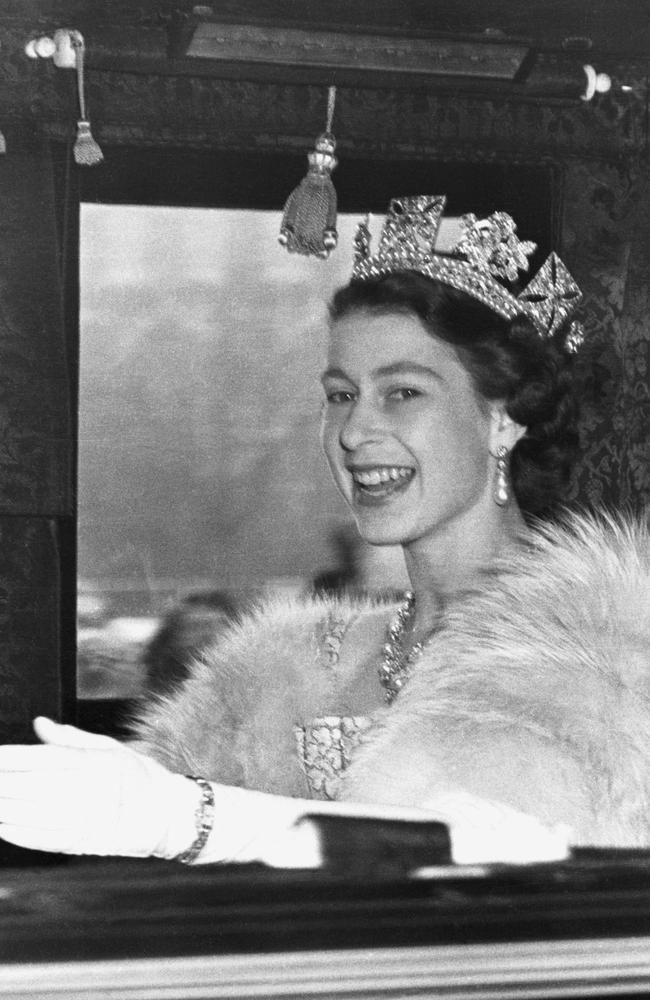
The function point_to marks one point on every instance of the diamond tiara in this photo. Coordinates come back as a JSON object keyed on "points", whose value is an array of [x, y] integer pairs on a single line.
{"points": [[488, 250]]}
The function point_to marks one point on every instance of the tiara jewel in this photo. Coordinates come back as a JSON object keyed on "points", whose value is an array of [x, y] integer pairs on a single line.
{"points": [[575, 337], [552, 295], [491, 244], [411, 227], [488, 250]]}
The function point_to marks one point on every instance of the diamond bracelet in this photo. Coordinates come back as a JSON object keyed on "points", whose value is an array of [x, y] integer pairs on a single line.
{"points": [[204, 819]]}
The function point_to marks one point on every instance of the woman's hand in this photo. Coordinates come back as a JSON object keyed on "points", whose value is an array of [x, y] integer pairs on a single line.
{"points": [[485, 831], [79, 793]]}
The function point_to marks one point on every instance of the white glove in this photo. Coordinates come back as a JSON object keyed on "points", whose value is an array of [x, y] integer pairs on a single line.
{"points": [[80, 793], [485, 831]]}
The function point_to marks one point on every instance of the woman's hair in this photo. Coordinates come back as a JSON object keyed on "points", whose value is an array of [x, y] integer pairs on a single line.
{"points": [[506, 359]]}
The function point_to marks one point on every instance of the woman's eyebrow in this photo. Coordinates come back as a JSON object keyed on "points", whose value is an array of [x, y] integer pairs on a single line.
{"points": [[334, 373], [397, 368], [406, 368]]}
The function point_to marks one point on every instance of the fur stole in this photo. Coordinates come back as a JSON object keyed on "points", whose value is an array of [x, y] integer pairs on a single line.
{"points": [[536, 692], [233, 719]]}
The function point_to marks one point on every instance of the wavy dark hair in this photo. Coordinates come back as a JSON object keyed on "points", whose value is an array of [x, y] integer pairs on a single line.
{"points": [[507, 360]]}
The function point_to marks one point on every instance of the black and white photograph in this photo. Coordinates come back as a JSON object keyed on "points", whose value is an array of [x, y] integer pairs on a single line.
{"points": [[324, 499]]}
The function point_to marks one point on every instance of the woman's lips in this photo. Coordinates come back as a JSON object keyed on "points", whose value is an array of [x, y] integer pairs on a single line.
{"points": [[376, 484]]}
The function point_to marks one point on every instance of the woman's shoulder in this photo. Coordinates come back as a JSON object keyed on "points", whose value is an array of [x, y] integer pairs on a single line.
{"points": [[233, 717], [321, 623], [549, 660], [292, 645], [579, 589], [592, 534], [597, 562]]}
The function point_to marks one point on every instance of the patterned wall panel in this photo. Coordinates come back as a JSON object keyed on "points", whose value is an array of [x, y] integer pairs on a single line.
{"points": [[36, 446], [35, 430], [165, 110], [29, 624], [606, 244]]}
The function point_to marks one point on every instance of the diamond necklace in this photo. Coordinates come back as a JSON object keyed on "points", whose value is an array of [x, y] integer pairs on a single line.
{"points": [[396, 665]]}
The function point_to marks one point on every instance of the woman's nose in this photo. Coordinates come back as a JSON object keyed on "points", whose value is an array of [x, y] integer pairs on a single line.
{"points": [[361, 425]]}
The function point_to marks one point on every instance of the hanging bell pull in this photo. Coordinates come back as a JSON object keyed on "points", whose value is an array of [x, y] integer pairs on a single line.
{"points": [[86, 150], [309, 218], [66, 48]]}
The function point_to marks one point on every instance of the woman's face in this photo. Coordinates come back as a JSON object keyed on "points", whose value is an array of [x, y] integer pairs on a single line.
{"points": [[405, 433]]}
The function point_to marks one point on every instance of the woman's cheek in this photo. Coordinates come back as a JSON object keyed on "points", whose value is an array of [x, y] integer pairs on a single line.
{"points": [[329, 437]]}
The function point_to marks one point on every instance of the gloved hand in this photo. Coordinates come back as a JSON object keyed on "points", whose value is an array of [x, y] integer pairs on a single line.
{"points": [[485, 831], [80, 793]]}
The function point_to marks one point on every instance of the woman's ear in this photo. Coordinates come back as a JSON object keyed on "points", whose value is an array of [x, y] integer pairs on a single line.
{"points": [[504, 431]]}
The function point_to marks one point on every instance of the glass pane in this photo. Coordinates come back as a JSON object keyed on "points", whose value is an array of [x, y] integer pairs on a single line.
{"points": [[199, 465]]}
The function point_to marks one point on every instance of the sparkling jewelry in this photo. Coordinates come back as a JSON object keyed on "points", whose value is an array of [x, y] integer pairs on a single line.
{"points": [[501, 491], [488, 250], [204, 819], [325, 748], [396, 665], [552, 295]]}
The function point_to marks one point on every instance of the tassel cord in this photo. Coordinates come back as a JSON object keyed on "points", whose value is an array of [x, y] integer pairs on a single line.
{"points": [[331, 101], [78, 46], [86, 151]]}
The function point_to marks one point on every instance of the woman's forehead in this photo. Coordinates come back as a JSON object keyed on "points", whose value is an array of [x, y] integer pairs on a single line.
{"points": [[377, 340]]}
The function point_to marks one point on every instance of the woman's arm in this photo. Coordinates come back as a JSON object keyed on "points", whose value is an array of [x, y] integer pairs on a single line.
{"points": [[79, 793]]}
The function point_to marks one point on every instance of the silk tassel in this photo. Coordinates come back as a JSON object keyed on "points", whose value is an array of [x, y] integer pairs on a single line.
{"points": [[86, 151], [309, 217]]}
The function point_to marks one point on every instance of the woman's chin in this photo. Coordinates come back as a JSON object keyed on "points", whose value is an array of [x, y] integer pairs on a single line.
{"points": [[377, 534]]}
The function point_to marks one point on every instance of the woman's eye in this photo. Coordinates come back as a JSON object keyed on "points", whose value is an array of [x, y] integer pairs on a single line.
{"points": [[404, 392], [339, 396]]}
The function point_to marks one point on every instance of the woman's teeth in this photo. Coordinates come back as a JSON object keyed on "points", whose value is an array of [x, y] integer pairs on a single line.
{"points": [[382, 475]]}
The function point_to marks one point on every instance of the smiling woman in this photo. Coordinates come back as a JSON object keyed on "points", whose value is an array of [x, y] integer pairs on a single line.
{"points": [[507, 683], [449, 423], [414, 409]]}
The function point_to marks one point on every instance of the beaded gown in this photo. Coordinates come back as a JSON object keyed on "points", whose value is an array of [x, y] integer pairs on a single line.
{"points": [[326, 744]]}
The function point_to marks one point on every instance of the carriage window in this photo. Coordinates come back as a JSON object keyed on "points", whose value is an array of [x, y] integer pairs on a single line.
{"points": [[201, 481]]}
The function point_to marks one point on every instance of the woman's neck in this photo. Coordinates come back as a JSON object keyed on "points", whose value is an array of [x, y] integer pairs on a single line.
{"points": [[443, 566]]}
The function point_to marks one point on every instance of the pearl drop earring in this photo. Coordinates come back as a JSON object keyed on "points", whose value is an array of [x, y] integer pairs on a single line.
{"points": [[501, 491]]}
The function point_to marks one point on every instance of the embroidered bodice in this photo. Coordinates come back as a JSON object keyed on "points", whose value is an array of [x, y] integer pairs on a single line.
{"points": [[325, 744]]}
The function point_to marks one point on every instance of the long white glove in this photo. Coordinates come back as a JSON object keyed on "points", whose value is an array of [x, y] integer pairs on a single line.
{"points": [[271, 828], [485, 831], [80, 793]]}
